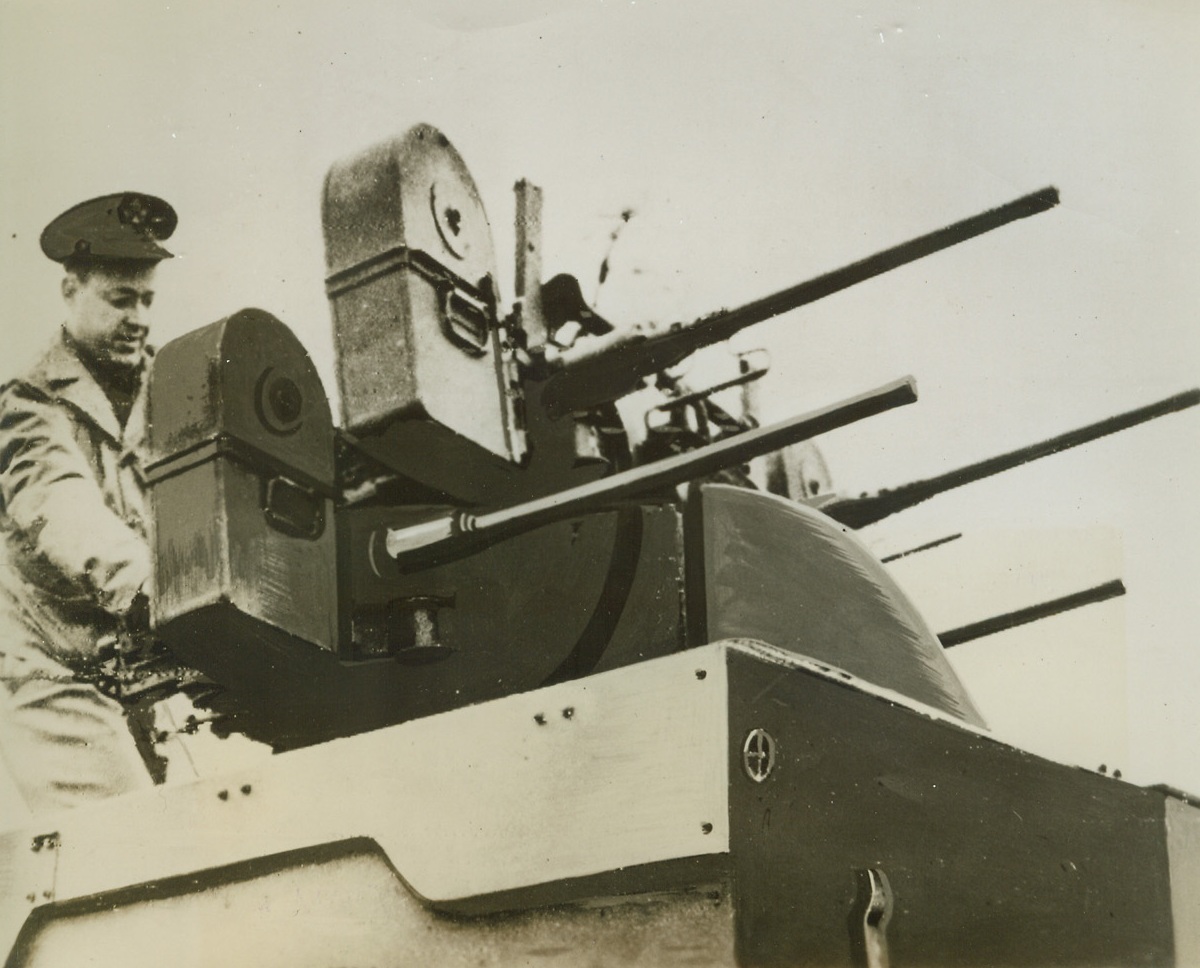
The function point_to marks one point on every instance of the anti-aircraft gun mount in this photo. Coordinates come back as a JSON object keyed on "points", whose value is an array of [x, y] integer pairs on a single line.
{"points": [[602, 718], [475, 527]]}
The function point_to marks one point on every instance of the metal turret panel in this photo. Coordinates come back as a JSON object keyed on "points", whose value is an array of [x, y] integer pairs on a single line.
{"points": [[765, 568]]}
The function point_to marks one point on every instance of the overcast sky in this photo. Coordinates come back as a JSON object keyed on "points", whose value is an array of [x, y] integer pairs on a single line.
{"points": [[757, 144]]}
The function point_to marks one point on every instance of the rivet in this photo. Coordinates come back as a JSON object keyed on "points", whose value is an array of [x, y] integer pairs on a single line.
{"points": [[706, 828], [223, 795], [701, 674], [47, 894], [540, 719], [568, 712], [246, 789]]}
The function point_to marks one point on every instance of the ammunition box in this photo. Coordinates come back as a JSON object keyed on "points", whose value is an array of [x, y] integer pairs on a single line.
{"points": [[411, 282], [241, 481]]}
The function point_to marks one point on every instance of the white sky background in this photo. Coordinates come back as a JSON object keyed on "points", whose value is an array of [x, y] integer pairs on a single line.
{"points": [[758, 144]]}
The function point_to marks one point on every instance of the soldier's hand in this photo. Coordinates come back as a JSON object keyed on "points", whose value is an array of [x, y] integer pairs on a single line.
{"points": [[137, 618]]}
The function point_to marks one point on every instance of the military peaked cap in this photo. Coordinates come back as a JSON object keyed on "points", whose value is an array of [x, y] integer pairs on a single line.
{"points": [[127, 226]]}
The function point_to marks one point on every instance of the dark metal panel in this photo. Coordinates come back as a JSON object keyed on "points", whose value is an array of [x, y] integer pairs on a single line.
{"points": [[994, 856], [553, 604], [651, 617], [762, 567]]}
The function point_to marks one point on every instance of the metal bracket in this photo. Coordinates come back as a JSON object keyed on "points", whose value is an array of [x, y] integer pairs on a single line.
{"points": [[529, 264], [698, 396], [871, 916], [415, 631], [293, 509], [406, 630]]}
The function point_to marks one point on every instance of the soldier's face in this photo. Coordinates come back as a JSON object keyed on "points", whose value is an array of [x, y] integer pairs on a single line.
{"points": [[108, 312]]}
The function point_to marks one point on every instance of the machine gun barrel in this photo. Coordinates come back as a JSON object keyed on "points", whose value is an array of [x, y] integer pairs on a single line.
{"points": [[859, 512], [421, 544], [1034, 613], [613, 365]]}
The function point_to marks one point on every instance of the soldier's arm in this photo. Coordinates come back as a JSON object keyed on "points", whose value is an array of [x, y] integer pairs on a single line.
{"points": [[51, 494]]}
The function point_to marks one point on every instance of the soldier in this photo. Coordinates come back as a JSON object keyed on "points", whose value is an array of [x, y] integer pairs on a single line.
{"points": [[74, 556]]}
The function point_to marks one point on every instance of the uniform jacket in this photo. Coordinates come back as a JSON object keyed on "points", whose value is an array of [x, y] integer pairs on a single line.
{"points": [[73, 524]]}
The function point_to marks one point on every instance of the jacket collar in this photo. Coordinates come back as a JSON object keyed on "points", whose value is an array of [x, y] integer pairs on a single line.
{"points": [[63, 375]]}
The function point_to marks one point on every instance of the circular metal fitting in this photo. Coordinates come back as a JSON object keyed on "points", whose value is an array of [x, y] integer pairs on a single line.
{"points": [[279, 402], [758, 754]]}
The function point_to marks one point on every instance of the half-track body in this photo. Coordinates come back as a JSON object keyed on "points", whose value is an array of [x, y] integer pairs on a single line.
{"points": [[542, 695]]}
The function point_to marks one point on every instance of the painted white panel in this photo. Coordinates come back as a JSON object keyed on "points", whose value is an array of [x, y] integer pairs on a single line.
{"points": [[1183, 851], [469, 802], [352, 911]]}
